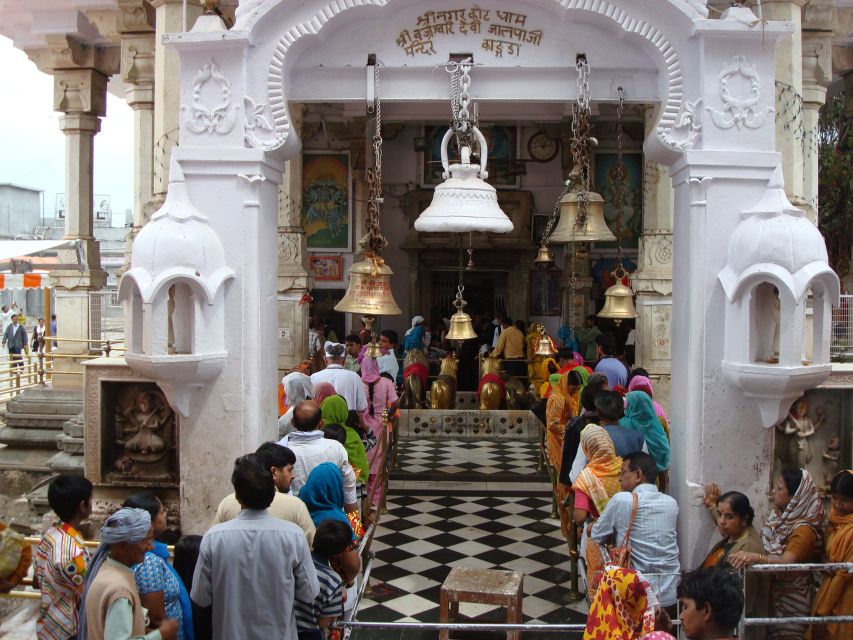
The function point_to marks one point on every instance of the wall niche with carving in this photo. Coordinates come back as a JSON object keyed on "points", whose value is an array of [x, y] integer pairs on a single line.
{"points": [[139, 436]]}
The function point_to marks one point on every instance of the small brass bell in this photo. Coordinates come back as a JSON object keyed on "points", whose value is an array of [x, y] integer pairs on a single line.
{"points": [[373, 350], [369, 289], [544, 347], [618, 301], [461, 327], [464, 201], [544, 257], [594, 230]]}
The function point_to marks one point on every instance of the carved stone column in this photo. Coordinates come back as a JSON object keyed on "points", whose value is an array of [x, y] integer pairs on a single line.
{"points": [[168, 19], [652, 282], [819, 17], [80, 85], [789, 95], [293, 278], [135, 23]]}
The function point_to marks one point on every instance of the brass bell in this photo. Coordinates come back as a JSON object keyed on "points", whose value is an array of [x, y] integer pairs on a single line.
{"points": [[544, 257], [618, 301], [461, 327], [464, 201], [594, 230], [544, 347], [373, 350], [369, 289]]}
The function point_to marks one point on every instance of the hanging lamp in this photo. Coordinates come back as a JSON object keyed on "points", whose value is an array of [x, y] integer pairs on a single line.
{"points": [[464, 201], [619, 299], [369, 288]]}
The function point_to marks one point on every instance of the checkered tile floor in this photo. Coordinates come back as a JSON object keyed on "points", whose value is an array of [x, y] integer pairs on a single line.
{"points": [[460, 460], [423, 536]]}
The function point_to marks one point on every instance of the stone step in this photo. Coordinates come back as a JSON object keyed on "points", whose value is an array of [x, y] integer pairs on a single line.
{"points": [[64, 462], [29, 460], [37, 500], [30, 438], [37, 420]]}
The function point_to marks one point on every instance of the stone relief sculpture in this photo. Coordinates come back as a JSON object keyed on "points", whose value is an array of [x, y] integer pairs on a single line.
{"points": [[144, 427], [794, 449]]}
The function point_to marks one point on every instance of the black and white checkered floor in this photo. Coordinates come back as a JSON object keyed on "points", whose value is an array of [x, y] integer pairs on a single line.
{"points": [[426, 532]]}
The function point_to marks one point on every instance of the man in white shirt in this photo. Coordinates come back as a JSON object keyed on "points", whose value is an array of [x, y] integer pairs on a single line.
{"points": [[347, 384], [311, 447], [250, 569], [654, 547], [6, 315]]}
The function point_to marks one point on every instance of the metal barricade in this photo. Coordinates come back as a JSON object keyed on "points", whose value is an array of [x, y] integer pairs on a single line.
{"points": [[841, 346]]}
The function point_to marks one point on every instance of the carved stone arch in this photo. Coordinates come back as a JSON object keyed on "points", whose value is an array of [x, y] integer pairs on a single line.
{"points": [[624, 16]]}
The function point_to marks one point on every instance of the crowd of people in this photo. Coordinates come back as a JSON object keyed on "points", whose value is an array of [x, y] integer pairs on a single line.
{"points": [[14, 337], [281, 559]]}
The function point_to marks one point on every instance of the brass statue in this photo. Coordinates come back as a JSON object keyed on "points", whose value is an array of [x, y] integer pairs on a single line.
{"points": [[498, 390], [415, 374], [442, 394]]}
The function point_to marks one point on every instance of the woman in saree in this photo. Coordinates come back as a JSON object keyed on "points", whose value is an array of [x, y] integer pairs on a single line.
{"points": [[640, 415], [321, 391], [547, 368], [624, 608], [835, 596], [335, 411], [792, 535], [594, 486], [381, 397], [297, 388]]}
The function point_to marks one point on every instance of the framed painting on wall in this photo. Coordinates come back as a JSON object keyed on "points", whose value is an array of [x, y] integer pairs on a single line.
{"points": [[502, 141], [632, 216], [326, 200], [329, 268]]}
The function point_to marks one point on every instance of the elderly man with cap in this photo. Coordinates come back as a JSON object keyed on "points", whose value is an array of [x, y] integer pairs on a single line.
{"points": [[111, 607], [346, 383]]}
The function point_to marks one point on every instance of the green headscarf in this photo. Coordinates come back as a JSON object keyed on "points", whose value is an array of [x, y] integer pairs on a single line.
{"points": [[335, 411]]}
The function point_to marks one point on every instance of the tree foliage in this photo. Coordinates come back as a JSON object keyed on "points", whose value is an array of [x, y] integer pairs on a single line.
{"points": [[835, 183]]}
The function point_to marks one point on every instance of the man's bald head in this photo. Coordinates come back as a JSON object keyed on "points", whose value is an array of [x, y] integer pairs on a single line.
{"points": [[307, 416]]}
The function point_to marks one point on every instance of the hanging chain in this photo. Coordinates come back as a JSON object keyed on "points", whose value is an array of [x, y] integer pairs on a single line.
{"points": [[374, 241], [581, 139], [458, 303], [620, 174], [460, 99]]}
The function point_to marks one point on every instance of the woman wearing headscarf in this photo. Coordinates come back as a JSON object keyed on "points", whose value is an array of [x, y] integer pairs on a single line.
{"points": [[381, 396], [321, 391], [644, 384], [792, 535], [835, 596], [414, 338], [335, 411], [111, 607], [323, 494], [640, 415], [297, 388], [596, 484], [547, 368], [624, 607]]}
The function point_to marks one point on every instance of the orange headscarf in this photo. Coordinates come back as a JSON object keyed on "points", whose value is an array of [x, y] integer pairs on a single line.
{"points": [[599, 479], [623, 608], [835, 596]]}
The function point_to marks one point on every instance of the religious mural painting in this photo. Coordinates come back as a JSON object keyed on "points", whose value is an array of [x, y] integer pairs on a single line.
{"points": [[328, 268], [606, 177], [326, 210]]}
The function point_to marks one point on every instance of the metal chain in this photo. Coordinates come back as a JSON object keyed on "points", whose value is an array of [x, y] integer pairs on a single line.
{"points": [[373, 240], [620, 174], [461, 288], [581, 145], [555, 215], [460, 99]]}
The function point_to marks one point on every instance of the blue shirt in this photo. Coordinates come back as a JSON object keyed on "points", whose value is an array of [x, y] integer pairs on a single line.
{"points": [[617, 374], [153, 575], [625, 439], [327, 604]]}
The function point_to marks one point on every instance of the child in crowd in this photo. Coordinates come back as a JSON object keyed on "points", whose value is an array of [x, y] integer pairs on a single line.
{"points": [[62, 558], [711, 603], [313, 619]]}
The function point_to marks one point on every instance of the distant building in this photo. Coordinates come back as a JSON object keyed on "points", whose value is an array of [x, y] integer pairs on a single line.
{"points": [[20, 211]]}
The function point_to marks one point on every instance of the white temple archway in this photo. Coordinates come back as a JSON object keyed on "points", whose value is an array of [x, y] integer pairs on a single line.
{"points": [[713, 82]]}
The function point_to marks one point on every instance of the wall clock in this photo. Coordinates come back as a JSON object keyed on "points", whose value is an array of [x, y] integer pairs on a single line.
{"points": [[542, 148]]}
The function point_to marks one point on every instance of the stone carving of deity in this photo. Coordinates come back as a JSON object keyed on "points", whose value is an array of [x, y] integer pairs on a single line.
{"points": [[143, 416], [794, 448]]}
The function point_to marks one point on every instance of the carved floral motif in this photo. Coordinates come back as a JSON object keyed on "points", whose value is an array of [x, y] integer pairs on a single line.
{"points": [[259, 131], [740, 111], [687, 126], [218, 118]]}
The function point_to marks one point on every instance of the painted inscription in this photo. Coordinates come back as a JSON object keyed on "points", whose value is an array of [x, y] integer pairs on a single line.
{"points": [[504, 32]]}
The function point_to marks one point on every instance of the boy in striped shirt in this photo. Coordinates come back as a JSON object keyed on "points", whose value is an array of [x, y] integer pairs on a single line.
{"points": [[61, 559], [313, 619]]}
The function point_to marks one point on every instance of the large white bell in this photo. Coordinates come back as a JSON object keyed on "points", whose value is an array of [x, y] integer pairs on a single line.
{"points": [[464, 201]]}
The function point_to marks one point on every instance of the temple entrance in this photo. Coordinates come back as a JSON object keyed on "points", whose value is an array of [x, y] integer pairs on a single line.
{"points": [[485, 292]]}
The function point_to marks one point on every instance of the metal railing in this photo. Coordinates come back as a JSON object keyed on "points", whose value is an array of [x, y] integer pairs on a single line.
{"points": [[841, 346]]}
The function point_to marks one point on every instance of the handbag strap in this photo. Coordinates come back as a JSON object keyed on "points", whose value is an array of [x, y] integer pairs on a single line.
{"points": [[627, 539]]}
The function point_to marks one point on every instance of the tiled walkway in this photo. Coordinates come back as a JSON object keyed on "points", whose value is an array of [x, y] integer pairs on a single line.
{"points": [[433, 525]]}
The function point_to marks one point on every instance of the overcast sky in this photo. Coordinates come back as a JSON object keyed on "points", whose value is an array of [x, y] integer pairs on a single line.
{"points": [[33, 147]]}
